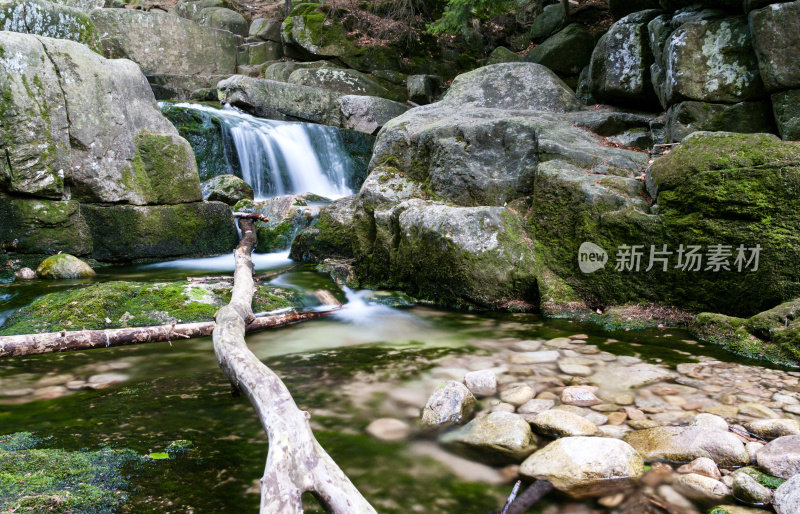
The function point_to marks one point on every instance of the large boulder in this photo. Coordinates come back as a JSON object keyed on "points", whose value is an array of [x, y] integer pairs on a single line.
{"points": [[566, 52], [224, 19], [49, 19], [287, 214], [743, 117], [585, 466], [712, 61], [43, 226], [190, 9], [550, 20], [283, 101], [165, 44], [71, 116], [787, 496], [776, 38], [620, 64], [127, 232], [348, 82], [281, 71]]}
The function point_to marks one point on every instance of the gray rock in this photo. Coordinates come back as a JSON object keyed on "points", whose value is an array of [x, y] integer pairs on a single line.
{"points": [[609, 123], [190, 9], [287, 214], [712, 61], [165, 44], [776, 38], [781, 456], [710, 421], [518, 395], [581, 396], [525, 86], [500, 55], [347, 82], [423, 89], [702, 489], [368, 114], [535, 406], [64, 266], [226, 188], [451, 403], [255, 54], [281, 71], [636, 138], [560, 423], [620, 64], [685, 444], [566, 52], [50, 19], [774, 428], [549, 21], [585, 466], [787, 496], [481, 383], [495, 438], [748, 490], [743, 117], [25, 274], [702, 466], [268, 30], [786, 107], [224, 19]]}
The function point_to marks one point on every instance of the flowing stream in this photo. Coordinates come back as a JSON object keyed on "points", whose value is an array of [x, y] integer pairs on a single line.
{"points": [[280, 157]]}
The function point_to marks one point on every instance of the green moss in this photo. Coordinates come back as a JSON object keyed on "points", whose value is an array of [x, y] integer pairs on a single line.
{"points": [[165, 170], [274, 238], [64, 481], [132, 304], [731, 333]]}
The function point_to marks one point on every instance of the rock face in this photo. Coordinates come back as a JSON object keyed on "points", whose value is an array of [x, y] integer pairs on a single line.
{"points": [[620, 64], [175, 53], [574, 465], [785, 105], [685, 444], [43, 226], [743, 117], [496, 438], [348, 82], [64, 266], [49, 19]]}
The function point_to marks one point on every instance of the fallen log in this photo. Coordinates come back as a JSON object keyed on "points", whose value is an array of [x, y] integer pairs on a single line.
{"points": [[55, 342], [296, 463], [535, 492]]}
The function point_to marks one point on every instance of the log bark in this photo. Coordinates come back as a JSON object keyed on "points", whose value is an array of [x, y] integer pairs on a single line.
{"points": [[535, 492], [296, 463], [54, 342]]}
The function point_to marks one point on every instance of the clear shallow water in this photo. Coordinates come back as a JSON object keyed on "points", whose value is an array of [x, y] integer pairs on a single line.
{"points": [[341, 368]]}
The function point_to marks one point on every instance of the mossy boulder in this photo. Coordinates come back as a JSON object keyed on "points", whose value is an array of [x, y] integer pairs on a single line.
{"points": [[224, 19], [287, 214], [135, 304], [227, 188], [736, 190], [281, 71], [348, 82], [43, 226], [500, 55], [127, 232], [743, 117], [64, 266], [331, 234], [786, 106], [567, 52]]}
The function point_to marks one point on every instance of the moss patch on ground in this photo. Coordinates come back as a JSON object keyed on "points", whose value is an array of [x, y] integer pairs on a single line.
{"points": [[53, 480], [135, 304]]}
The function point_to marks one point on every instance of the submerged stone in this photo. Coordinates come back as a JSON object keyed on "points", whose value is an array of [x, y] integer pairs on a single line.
{"points": [[496, 438]]}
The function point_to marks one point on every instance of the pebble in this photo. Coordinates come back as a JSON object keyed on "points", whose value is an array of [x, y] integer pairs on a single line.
{"points": [[560, 423], [710, 421], [702, 488], [481, 383], [518, 395], [575, 369], [389, 429], [616, 418], [451, 403], [701, 466], [582, 396], [757, 410], [104, 380], [535, 406]]}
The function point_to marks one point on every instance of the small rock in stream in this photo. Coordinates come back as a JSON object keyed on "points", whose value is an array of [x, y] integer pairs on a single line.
{"points": [[481, 383], [451, 403]]}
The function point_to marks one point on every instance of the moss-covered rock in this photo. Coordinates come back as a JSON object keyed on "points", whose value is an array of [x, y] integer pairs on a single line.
{"points": [[135, 304], [287, 214], [45, 480], [43, 226], [126, 232], [64, 266], [227, 188]]}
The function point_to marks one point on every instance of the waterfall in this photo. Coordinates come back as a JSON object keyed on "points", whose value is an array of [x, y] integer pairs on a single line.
{"points": [[282, 157]]}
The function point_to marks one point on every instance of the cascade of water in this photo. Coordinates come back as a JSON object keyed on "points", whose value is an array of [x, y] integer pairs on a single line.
{"points": [[280, 157]]}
